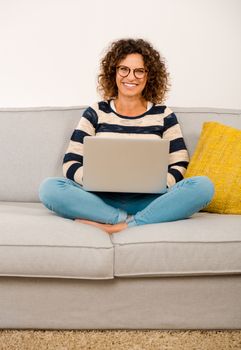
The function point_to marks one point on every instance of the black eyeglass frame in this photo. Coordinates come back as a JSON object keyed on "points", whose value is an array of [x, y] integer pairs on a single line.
{"points": [[134, 71]]}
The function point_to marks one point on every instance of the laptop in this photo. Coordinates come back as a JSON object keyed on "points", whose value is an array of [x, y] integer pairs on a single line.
{"points": [[125, 164]]}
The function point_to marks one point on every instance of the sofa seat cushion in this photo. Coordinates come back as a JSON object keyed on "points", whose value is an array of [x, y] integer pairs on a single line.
{"points": [[205, 244], [35, 242]]}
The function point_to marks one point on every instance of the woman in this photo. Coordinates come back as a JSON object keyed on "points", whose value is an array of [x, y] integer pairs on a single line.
{"points": [[133, 81]]}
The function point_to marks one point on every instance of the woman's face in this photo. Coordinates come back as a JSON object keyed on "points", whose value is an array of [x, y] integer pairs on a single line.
{"points": [[132, 84]]}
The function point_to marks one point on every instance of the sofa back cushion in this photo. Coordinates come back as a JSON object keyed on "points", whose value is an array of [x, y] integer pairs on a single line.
{"points": [[33, 142], [192, 119]]}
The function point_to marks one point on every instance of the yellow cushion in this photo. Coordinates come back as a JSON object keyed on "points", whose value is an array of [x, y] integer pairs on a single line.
{"points": [[218, 156]]}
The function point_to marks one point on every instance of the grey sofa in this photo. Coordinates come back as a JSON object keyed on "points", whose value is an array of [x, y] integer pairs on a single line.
{"points": [[58, 274]]}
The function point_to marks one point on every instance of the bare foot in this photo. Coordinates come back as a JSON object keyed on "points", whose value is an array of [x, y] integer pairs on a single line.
{"points": [[105, 227]]}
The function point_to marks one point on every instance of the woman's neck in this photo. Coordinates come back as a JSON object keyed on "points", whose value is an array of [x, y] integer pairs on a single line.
{"points": [[130, 107]]}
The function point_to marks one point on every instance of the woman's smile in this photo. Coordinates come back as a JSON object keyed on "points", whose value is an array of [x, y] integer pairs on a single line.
{"points": [[129, 85]]}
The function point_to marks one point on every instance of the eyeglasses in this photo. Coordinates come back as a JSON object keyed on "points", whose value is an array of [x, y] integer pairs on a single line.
{"points": [[124, 71]]}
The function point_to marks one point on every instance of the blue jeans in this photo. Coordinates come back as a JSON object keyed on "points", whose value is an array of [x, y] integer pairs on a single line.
{"points": [[69, 200]]}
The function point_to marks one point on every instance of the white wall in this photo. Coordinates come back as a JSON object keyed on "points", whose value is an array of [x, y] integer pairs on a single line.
{"points": [[50, 49]]}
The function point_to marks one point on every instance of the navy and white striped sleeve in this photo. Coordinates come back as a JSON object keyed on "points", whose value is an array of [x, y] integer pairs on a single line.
{"points": [[73, 159], [178, 155]]}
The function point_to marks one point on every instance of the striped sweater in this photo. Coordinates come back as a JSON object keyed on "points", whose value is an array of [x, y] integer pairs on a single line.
{"points": [[101, 119]]}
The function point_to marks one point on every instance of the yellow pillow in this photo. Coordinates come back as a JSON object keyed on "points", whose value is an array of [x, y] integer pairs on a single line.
{"points": [[218, 156]]}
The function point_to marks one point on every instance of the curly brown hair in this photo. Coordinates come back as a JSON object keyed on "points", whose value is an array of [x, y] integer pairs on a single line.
{"points": [[157, 79]]}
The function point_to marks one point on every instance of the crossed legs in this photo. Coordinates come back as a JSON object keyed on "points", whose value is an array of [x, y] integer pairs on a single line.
{"points": [[69, 200]]}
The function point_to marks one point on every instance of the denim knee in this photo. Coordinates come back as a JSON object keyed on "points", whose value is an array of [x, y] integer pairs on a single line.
{"points": [[206, 187], [48, 189]]}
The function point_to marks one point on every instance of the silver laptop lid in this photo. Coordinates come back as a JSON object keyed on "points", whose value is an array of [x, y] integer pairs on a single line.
{"points": [[116, 164]]}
